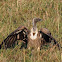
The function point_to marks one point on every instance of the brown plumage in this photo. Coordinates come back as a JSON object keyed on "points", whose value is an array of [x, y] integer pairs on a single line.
{"points": [[18, 34], [47, 37], [34, 43], [33, 39]]}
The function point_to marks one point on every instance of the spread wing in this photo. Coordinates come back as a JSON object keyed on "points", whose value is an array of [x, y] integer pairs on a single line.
{"points": [[47, 37], [19, 34]]}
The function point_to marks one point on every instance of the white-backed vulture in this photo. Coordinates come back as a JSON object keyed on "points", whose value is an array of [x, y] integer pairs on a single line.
{"points": [[32, 38]]}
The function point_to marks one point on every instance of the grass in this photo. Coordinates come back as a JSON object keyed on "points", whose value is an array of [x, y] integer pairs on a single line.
{"points": [[14, 13]]}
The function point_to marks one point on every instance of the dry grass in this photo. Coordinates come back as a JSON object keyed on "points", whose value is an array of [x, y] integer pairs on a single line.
{"points": [[14, 13]]}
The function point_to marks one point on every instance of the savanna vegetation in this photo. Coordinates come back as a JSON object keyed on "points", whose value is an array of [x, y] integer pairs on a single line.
{"points": [[14, 13]]}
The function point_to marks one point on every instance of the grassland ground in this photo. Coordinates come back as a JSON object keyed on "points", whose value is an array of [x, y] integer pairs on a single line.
{"points": [[14, 13]]}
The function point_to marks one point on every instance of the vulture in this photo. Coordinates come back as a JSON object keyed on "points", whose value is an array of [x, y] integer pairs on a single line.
{"points": [[33, 39]]}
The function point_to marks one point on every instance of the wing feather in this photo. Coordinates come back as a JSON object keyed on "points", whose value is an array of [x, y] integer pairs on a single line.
{"points": [[18, 34], [47, 37]]}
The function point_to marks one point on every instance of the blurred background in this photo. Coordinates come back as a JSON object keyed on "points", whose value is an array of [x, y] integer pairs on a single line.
{"points": [[14, 13]]}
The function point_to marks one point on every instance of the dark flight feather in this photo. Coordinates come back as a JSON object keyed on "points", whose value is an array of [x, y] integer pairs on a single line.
{"points": [[18, 34], [46, 35]]}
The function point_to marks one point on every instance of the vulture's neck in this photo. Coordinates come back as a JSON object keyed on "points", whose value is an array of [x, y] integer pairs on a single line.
{"points": [[34, 30], [33, 34]]}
